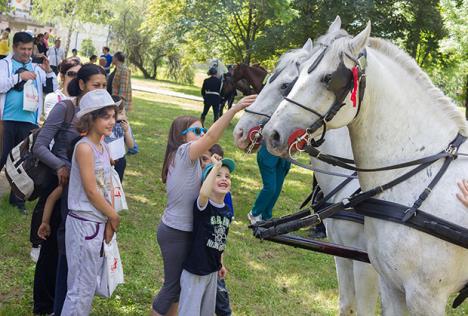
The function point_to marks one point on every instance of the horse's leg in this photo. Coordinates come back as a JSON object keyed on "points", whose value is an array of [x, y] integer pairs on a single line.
{"points": [[424, 301], [366, 288], [344, 271], [393, 300]]}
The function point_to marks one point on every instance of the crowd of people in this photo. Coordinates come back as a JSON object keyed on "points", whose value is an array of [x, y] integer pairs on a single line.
{"points": [[80, 151], [99, 131]]}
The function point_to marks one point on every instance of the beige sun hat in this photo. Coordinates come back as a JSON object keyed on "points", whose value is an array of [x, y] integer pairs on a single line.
{"points": [[95, 100]]}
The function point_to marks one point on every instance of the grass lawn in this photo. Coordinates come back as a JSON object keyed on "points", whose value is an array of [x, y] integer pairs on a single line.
{"points": [[168, 85], [263, 279]]}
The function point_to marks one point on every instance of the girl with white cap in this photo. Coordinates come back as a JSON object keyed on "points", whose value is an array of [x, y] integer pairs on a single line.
{"points": [[92, 217]]}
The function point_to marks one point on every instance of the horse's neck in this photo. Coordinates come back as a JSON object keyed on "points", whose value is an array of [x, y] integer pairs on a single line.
{"points": [[398, 120], [337, 143]]}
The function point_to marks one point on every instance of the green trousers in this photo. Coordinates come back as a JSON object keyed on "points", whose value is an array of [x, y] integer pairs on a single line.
{"points": [[273, 170]]}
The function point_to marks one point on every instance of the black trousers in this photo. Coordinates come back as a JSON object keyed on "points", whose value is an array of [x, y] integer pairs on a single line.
{"points": [[206, 108], [46, 266], [13, 134], [120, 165]]}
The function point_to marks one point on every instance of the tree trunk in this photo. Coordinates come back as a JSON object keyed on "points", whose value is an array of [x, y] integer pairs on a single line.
{"points": [[140, 66], [71, 27], [155, 70], [466, 97]]}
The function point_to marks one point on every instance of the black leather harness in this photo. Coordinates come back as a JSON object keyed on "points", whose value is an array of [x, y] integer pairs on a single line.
{"points": [[341, 83]]}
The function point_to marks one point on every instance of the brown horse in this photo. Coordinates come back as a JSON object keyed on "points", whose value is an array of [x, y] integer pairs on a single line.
{"points": [[255, 75], [228, 91]]}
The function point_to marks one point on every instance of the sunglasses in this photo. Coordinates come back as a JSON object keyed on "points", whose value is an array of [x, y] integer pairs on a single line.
{"points": [[196, 130], [71, 74]]}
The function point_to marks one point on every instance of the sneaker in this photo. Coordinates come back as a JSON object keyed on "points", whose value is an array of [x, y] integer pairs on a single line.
{"points": [[254, 219], [35, 253]]}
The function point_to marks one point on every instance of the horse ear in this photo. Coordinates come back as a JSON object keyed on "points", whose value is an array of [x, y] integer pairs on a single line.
{"points": [[360, 40], [308, 45], [335, 26]]}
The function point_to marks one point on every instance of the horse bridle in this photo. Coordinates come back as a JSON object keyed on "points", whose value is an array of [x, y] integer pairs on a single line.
{"points": [[341, 82], [255, 133]]}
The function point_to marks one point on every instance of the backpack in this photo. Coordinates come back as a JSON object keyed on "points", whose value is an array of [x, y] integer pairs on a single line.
{"points": [[27, 175]]}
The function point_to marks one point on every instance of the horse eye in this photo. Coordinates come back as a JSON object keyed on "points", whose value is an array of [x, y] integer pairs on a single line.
{"points": [[284, 86], [327, 78]]}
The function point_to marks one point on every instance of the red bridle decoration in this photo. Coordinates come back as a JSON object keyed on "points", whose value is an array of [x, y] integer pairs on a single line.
{"points": [[255, 137], [295, 136], [355, 71]]}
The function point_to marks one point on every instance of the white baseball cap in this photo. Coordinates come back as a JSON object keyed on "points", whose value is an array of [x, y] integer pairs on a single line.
{"points": [[94, 100]]}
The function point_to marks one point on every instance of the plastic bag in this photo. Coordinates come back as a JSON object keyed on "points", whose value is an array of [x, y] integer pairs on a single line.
{"points": [[30, 97], [120, 202], [111, 271]]}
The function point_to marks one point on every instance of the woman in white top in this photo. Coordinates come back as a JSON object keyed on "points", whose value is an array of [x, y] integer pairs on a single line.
{"points": [[68, 69]]}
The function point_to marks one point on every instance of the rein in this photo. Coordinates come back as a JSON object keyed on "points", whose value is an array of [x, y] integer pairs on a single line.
{"points": [[341, 82]]}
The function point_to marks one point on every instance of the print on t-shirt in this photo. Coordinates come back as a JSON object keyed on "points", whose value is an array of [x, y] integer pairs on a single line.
{"points": [[221, 224]]}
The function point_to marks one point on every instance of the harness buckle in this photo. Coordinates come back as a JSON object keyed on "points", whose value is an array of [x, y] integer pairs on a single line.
{"points": [[410, 212], [319, 220], [451, 150]]}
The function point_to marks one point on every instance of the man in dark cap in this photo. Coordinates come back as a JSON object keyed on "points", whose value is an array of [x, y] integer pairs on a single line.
{"points": [[211, 95]]}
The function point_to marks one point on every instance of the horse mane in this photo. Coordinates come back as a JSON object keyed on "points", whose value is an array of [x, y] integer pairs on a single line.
{"points": [[410, 65]]}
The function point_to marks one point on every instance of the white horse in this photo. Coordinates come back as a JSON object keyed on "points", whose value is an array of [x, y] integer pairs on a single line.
{"points": [[357, 281], [403, 117]]}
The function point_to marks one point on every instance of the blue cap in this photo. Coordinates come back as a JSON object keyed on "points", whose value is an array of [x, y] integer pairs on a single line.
{"points": [[229, 163]]}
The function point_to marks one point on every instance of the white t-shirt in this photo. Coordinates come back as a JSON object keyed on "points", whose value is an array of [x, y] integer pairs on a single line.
{"points": [[52, 99], [56, 55]]}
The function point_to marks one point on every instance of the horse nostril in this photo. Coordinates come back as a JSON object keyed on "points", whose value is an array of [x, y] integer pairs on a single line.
{"points": [[276, 136], [240, 133]]}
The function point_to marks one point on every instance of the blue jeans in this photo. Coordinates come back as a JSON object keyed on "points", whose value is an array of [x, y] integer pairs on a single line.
{"points": [[273, 170]]}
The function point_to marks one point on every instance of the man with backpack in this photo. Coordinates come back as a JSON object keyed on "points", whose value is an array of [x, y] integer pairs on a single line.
{"points": [[22, 84]]}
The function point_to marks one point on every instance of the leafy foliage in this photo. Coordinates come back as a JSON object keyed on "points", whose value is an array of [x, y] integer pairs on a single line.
{"points": [[87, 47], [179, 33], [70, 12]]}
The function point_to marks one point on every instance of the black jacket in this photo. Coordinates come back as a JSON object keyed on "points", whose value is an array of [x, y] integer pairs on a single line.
{"points": [[211, 90]]}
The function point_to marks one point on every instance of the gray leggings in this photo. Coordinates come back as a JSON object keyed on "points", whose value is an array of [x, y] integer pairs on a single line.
{"points": [[175, 245]]}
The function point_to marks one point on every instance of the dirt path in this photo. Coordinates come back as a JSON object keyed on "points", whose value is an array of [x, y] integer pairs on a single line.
{"points": [[147, 87]]}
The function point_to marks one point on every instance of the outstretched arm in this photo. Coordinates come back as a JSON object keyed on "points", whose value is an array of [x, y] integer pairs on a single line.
{"points": [[207, 186], [200, 146]]}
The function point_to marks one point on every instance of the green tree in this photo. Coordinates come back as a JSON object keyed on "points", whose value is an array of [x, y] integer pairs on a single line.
{"points": [[87, 47], [415, 24], [70, 12], [144, 48], [451, 72], [4, 6], [228, 28]]}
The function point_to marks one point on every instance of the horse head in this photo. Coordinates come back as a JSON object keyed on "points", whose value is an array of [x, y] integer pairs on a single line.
{"points": [[278, 85], [239, 71], [318, 99]]}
